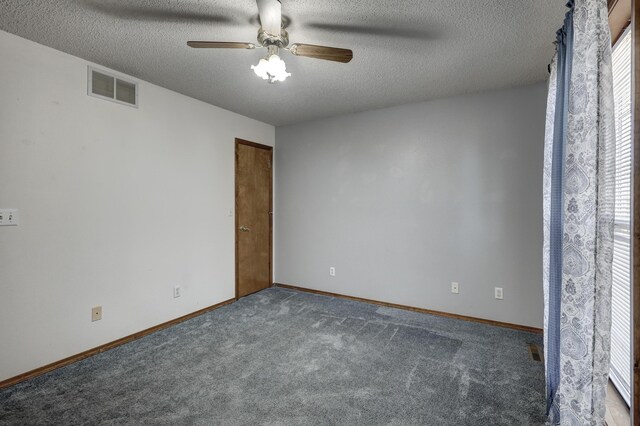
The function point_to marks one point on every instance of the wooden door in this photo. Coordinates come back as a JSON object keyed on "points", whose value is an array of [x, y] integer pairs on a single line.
{"points": [[253, 217]]}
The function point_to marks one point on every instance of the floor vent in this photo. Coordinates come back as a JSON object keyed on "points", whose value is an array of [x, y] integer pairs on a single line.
{"points": [[535, 352]]}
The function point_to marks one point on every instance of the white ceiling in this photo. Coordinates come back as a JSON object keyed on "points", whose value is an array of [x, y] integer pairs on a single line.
{"points": [[404, 51]]}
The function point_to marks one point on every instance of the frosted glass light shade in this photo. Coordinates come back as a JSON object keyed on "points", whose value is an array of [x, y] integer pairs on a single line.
{"points": [[273, 69]]}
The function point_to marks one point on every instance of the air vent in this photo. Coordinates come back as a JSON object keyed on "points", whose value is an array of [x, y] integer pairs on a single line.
{"points": [[104, 85], [535, 352]]}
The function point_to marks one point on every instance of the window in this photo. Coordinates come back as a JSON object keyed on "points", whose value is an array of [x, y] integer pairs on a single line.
{"points": [[621, 290], [106, 86]]}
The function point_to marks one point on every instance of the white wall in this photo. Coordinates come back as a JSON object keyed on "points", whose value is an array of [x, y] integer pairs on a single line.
{"points": [[405, 200], [117, 205]]}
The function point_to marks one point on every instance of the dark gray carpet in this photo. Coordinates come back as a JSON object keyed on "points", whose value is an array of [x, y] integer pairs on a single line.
{"points": [[282, 357]]}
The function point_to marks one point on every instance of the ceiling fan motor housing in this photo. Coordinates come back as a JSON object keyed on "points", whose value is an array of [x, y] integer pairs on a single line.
{"points": [[281, 40]]}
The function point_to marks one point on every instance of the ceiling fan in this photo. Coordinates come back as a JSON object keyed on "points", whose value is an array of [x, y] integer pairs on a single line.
{"points": [[273, 36]]}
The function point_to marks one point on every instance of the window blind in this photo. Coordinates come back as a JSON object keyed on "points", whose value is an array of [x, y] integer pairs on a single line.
{"points": [[621, 290]]}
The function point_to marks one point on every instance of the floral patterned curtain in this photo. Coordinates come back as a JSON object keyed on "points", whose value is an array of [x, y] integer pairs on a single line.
{"points": [[578, 217]]}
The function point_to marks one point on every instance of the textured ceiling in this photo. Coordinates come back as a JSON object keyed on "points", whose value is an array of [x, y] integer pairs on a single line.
{"points": [[404, 51]]}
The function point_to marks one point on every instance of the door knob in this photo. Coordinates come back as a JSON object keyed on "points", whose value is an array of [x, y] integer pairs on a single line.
{"points": [[244, 229]]}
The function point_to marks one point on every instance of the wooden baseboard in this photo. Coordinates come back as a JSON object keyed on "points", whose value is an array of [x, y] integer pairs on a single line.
{"points": [[82, 355], [414, 309]]}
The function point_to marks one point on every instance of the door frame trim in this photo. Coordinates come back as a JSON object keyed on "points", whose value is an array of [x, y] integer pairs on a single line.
{"points": [[239, 142]]}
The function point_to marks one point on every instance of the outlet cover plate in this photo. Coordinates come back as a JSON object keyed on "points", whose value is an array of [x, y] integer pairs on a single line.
{"points": [[8, 217], [455, 288], [96, 313]]}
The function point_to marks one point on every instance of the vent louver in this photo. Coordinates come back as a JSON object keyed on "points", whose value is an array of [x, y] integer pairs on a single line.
{"points": [[107, 86], [535, 352]]}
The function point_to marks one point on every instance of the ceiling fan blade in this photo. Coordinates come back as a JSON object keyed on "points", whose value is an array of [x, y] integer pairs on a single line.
{"points": [[382, 30], [270, 16], [220, 45], [143, 11], [322, 52]]}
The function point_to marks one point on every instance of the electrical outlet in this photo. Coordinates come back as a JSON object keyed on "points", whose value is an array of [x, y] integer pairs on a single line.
{"points": [[455, 288], [332, 271], [96, 313], [177, 291], [498, 293], [12, 217], [8, 217]]}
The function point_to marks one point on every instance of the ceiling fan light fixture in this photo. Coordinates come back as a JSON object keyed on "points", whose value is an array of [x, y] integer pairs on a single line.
{"points": [[271, 68], [273, 36]]}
